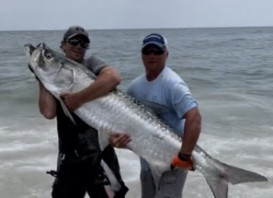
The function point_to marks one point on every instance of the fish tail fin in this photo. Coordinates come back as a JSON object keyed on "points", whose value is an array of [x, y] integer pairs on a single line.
{"points": [[230, 174], [237, 175], [218, 186]]}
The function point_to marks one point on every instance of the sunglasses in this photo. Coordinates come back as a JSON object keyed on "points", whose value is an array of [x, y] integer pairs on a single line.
{"points": [[76, 42], [152, 51]]}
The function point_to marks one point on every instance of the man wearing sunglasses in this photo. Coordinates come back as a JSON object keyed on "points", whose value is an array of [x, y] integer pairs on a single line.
{"points": [[160, 86], [78, 169]]}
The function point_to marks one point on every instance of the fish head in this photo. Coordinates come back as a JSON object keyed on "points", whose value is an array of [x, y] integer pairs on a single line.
{"points": [[51, 68]]}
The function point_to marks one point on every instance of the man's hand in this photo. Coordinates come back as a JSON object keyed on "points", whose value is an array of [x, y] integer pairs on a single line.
{"points": [[119, 140], [71, 101], [183, 161]]}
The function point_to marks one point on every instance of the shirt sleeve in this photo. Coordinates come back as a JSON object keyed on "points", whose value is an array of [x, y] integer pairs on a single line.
{"points": [[95, 64], [182, 99]]}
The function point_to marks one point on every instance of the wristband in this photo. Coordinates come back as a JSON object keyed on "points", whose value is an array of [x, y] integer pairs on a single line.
{"points": [[184, 157]]}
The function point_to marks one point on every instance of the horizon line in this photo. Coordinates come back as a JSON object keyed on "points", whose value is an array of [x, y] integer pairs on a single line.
{"points": [[152, 28]]}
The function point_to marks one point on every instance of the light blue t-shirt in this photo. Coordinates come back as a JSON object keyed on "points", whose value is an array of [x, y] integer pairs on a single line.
{"points": [[169, 90]]}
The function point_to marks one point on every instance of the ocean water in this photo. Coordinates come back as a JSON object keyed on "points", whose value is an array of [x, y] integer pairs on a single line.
{"points": [[229, 71]]}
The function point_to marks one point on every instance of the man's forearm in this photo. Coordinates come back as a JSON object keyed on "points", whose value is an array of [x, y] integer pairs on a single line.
{"points": [[104, 83], [47, 103], [191, 132]]}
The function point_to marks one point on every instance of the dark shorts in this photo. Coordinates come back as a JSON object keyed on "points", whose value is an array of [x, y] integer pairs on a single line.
{"points": [[76, 177], [76, 189]]}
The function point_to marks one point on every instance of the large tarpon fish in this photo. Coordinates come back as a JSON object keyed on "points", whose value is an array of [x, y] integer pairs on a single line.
{"points": [[151, 138]]}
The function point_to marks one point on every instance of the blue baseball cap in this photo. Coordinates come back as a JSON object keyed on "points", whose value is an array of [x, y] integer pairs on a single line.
{"points": [[155, 39]]}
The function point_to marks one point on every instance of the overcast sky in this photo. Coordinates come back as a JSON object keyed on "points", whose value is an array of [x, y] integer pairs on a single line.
{"points": [[120, 14]]}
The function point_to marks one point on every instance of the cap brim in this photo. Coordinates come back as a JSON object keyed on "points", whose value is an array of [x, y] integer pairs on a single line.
{"points": [[159, 45], [79, 34]]}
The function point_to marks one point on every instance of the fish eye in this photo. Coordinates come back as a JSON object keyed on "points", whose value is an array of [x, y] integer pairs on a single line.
{"points": [[48, 55]]}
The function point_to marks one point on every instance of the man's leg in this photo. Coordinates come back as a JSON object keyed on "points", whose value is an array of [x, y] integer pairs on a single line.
{"points": [[100, 191], [65, 184], [171, 184], [147, 181], [67, 189]]}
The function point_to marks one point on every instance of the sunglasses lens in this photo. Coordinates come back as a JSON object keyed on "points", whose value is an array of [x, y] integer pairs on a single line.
{"points": [[76, 42], [73, 42], [84, 45], [150, 51]]}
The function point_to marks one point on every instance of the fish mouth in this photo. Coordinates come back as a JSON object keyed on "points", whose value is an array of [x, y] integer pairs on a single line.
{"points": [[29, 49]]}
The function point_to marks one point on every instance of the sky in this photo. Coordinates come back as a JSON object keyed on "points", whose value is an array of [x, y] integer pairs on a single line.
{"points": [[133, 14]]}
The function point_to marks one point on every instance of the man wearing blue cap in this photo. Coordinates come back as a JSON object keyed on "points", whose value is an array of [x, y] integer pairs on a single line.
{"points": [[162, 86]]}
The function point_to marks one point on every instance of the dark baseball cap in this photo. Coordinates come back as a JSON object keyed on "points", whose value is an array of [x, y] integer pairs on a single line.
{"points": [[76, 31]]}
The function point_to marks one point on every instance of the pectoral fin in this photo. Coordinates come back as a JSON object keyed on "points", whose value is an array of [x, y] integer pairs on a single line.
{"points": [[65, 110]]}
